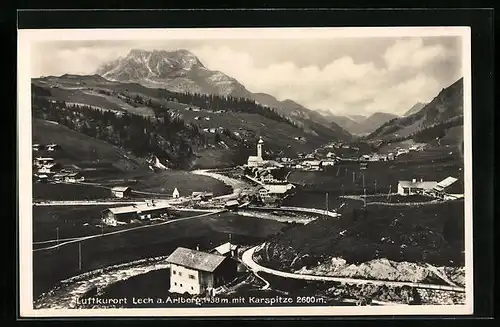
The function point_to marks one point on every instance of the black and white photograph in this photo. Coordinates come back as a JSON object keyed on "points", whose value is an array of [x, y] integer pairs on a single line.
{"points": [[221, 172]]}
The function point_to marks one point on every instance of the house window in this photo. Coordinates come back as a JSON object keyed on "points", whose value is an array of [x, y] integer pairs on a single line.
{"points": [[181, 285], [192, 288], [191, 277], [180, 274], [175, 283], [174, 272]]}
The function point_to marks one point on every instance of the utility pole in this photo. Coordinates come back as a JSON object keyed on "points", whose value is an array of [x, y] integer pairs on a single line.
{"points": [[79, 255], [375, 186], [389, 194], [57, 235], [364, 191], [326, 200], [364, 198], [353, 177]]}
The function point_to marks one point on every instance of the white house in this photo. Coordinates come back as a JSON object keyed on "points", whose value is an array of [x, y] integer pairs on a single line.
{"points": [[415, 187], [330, 155], [197, 272], [175, 193], [312, 165], [325, 163], [40, 162], [227, 249], [49, 168], [121, 191], [52, 147], [74, 178]]}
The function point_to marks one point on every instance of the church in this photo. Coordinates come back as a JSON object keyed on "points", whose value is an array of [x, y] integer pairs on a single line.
{"points": [[256, 161]]}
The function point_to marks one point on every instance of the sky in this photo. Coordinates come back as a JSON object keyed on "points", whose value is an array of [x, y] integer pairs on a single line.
{"points": [[342, 76]]}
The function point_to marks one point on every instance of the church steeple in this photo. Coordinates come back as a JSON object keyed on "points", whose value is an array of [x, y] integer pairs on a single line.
{"points": [[259, 147]]}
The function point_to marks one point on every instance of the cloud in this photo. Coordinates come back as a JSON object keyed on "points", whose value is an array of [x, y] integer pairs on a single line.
{"points": [[71, 60], [342, 85], [413, 53], [355, 77]]}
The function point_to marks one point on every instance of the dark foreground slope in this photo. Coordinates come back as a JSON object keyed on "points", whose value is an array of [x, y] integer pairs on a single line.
{"points": [[428, 233]]}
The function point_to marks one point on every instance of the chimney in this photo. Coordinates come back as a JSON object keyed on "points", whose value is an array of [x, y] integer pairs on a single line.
{"points": [[421, 179], [414, 180], [197, 247]]}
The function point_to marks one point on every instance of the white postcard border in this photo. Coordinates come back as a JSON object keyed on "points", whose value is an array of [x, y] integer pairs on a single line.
{"points": [[28, 36]]}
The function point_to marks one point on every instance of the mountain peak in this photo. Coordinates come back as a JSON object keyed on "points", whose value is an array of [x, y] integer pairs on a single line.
{"points": [[151, 65], [136, 52]]}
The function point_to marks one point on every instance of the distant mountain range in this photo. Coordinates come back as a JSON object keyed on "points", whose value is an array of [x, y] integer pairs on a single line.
{"points": [[362, 125], [435, 120], [181, 71]]}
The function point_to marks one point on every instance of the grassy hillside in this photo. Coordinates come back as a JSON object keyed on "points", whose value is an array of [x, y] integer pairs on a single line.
{"points": [[239, 127], [443, 112], [431, 233], [78, 148]]}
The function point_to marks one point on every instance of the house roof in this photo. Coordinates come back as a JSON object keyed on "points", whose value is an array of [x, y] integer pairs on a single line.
{"points": [[143, 207], [120, 188], [254, 158], [313, 162], [195, 259], [54, 164], [226, 248], [418, 184], [232, 202], [448, 181]]}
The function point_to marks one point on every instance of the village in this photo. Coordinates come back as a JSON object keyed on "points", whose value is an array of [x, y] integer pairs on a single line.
{"points": [[198, 272], [267, 190]]}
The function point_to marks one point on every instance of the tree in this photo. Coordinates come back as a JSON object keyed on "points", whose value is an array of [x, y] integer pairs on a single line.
{"points": [[217, 138]]}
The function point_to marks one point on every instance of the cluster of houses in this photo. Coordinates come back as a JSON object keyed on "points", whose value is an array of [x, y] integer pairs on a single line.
{"points": [[377, 157], [447, 189], [198, 109], [214, 130], [47, 147], [307, 162], [47, 169]]}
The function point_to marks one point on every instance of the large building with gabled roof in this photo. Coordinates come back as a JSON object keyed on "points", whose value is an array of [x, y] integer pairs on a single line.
{"points": [[197, 272]]}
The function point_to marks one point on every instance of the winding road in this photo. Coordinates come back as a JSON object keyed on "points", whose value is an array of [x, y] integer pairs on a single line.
{"points": [[247, 259]]}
